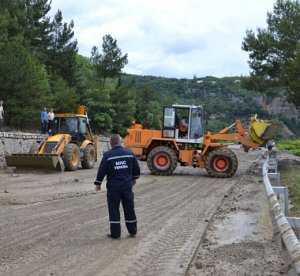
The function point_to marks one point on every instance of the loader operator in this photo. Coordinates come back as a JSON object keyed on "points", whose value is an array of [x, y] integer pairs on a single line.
{"points": [[121, 168]]}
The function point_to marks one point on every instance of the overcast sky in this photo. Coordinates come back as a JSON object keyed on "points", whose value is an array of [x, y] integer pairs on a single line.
{"points": [[172, 38]]}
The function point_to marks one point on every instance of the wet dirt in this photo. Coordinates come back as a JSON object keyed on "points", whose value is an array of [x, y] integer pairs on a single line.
{"points": [[241, 239], [55, 224]]}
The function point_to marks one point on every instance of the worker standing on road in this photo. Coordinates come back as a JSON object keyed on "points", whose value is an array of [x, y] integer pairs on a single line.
{"points": [[121, 168]]}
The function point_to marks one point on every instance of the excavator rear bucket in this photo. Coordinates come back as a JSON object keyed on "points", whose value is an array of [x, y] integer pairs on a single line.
{"points": [[262, 131], [35, 161]]}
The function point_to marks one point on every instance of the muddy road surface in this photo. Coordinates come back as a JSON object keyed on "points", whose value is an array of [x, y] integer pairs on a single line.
{"points": [[55, 224]]}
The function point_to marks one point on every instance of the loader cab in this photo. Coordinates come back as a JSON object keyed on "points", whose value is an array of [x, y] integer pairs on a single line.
{"points": [[77, 126], [184, 123]]}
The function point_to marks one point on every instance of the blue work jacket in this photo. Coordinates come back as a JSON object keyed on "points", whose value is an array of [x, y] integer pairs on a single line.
{"points": [[120, 167]]}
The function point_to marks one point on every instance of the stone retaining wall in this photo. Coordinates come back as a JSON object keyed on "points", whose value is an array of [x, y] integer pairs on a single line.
{"points": [[16, 142]]}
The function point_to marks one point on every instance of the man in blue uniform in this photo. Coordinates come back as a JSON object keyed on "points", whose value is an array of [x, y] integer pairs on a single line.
{"points": [[121, 168]]}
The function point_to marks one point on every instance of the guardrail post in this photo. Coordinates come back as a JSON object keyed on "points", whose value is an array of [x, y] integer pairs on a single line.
{"points": [[272, 165], [275, 178]]}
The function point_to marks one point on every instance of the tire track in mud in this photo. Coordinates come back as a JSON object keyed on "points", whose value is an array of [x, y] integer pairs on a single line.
{"points": [[68, 236], [35, 225], [168, 251]]}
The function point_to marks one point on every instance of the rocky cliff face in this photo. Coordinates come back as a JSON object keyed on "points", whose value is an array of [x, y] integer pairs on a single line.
{"points": [[279, 106]]}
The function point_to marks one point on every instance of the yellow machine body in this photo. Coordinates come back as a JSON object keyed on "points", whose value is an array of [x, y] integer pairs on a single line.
{"points": [[261, 131], [49, 154]]}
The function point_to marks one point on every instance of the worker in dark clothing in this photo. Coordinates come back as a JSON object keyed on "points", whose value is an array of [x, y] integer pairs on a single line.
{"points": [[121, 169]]}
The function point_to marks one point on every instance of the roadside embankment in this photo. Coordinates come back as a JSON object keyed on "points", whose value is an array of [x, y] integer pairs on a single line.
{"points": [[289, 166], [242, 238]]}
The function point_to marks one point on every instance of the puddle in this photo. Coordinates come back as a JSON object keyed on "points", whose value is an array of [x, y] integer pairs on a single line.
{"points": [[236, 228]]}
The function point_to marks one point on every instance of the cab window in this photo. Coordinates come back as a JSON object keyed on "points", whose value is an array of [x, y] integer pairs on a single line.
{"points": [[82, 126], [69, 125], [196, 130]]}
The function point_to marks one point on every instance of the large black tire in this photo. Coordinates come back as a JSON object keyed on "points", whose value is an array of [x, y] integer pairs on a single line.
{"points": [[221, 163], [71, 157], [89, 157], [162, 160]]}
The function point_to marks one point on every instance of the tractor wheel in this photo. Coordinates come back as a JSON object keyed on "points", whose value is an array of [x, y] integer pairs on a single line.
{"points": [[162, 160], [71, 157], [221, 163], [89, 156]]}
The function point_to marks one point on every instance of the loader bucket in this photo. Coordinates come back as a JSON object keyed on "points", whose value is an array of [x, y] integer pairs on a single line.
{"points": [[261, 131], [35, 161]]}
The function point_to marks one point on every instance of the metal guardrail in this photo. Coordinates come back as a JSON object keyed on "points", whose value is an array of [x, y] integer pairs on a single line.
{"points": [[287, 233]]}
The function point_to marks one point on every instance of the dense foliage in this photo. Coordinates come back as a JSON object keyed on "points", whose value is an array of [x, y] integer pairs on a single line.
{"points": [[223, 99], [274, 51], [40, 66], [293, 146], [37, 60]]}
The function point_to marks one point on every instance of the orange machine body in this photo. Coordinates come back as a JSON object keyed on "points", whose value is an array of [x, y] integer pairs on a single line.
{"points": [[141, 141]]}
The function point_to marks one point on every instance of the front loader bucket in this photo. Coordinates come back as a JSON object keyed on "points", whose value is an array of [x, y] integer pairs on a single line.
{"points": [[35, 161], [261, 131]]}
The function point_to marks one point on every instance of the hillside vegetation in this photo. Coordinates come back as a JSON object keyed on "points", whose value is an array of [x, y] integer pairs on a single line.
{"points": [[293, 146]]}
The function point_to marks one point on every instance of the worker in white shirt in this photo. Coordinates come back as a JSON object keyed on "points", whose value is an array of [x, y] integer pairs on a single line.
{"points": [[50, 121], [1, 115]]}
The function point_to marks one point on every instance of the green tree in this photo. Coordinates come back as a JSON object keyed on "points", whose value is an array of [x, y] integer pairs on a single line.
{"points": [[100, 108], [37, 26], [37, 61], [24, 85], [62, 49], [84, 75], [123, 109], [62, 98], [110, 62], [148, 108], [274, 52]]}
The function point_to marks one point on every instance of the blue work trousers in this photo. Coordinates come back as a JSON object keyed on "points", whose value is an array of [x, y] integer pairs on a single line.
{"points": [[114, 198]]}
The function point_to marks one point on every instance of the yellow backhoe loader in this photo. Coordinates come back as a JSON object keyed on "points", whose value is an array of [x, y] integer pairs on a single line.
{"points": [[71, 144]]}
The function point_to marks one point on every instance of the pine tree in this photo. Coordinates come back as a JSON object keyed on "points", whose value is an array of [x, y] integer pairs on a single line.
{"points": [[37, 27], [62, 49], [123, 109], [274, 52], [110, 62], [24, 85], [148, 109]]}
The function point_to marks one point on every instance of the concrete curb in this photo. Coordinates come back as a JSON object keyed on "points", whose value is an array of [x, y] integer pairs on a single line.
{"points": [[287, 233]]}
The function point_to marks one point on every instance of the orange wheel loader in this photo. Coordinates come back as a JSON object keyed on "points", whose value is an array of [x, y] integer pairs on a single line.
{"points": [[183, 141]]}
